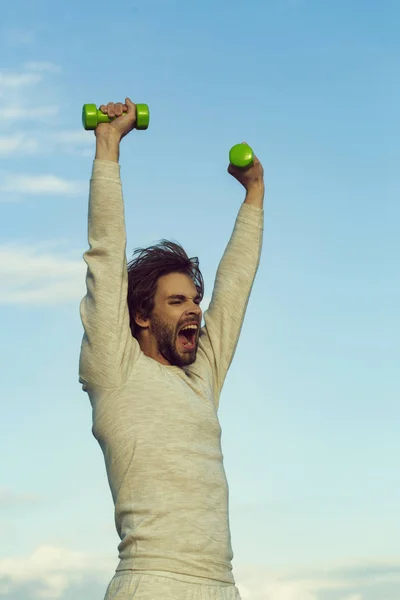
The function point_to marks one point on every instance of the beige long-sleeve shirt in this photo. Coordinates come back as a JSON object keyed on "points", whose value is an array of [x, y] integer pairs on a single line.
{"points": [[157, 425]]}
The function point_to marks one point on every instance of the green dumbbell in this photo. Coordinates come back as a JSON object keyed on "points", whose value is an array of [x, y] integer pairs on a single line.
{"points": [[92, 116], [241, 156]]}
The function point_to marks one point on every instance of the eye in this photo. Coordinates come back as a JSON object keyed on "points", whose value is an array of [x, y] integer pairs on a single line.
{"points": [[175, 302]]}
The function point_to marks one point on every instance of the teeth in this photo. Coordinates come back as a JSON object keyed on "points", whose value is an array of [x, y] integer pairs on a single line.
{"points": [[189, 327]]}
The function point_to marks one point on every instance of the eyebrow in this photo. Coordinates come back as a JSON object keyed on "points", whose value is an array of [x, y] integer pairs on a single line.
{"points": [[181, 297]]}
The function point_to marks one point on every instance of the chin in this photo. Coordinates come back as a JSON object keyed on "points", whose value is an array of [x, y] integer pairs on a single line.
{"points": [[184, 359], [187, 359]]}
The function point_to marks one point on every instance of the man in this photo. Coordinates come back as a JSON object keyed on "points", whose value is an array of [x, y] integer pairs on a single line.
{"points": [[154, 386]]}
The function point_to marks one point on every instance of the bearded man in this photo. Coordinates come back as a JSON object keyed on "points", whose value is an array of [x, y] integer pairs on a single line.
{"points": [[154, 377]]}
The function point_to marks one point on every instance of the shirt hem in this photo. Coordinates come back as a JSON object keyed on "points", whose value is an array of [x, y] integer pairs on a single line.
{"points": [[133, 566]]}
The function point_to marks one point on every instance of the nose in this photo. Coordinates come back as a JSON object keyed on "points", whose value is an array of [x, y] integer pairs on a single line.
{"points": [[194, 310]]}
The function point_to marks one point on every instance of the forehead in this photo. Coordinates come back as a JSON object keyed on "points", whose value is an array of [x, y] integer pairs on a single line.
{"points": [[175, 283]]}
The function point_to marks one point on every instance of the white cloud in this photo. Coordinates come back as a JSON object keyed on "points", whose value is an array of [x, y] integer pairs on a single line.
{"points": [[8, 79], [18, 143], [43, 67], [17, 104], [79, 137], [24, 113], [56, 292], [70, 142], [31, 74], [40, 184], [40, 106], [52, 570], [259, 584], [340, 582], [34, 276]]}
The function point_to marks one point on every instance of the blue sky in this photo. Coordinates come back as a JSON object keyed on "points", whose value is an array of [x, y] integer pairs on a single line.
{"points": [[310, 408]]}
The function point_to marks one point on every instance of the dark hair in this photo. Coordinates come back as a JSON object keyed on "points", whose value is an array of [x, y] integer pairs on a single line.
{"points": [[144, 270]]}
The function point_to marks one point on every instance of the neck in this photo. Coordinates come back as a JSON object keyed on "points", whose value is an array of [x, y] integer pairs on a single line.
{"points": [[149, 348]]}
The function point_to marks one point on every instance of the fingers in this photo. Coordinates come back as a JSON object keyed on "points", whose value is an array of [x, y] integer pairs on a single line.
{"points": [[116, 109], [119, 109]]}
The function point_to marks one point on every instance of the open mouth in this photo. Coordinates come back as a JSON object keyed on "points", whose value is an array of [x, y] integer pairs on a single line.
{"points": [[187, 336]]}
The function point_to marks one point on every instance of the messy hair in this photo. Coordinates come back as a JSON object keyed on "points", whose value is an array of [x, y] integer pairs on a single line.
{"points": [[147, 266]]}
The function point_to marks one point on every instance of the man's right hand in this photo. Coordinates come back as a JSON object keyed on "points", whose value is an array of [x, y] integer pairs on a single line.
{"points": [[109, 135], [124, 119]]}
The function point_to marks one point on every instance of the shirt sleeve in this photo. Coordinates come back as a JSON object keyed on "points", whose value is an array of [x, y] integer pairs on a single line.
{"points": [[108, 350], [233, 284]]}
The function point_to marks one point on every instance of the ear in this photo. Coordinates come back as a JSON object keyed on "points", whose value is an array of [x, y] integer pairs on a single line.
{"points": [[141, 321]]}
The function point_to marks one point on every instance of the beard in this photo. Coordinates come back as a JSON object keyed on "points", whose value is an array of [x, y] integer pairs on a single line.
{"points": [[167, 342]]}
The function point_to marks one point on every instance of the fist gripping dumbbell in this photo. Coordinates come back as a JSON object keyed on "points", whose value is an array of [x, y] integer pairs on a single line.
{"points": [[241, 156], [92, 116]]}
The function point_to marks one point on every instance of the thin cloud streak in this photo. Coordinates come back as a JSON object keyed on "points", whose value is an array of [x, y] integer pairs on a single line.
{"points": [[16, 80], [51, 570], [43, 67], [33, 277], [21, 113], [18, 143], [17, 104], [41, 184], [38, 143], [30, 75]]}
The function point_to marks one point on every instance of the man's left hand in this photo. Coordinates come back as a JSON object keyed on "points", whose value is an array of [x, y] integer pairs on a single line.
{"points": [[250, 177]]}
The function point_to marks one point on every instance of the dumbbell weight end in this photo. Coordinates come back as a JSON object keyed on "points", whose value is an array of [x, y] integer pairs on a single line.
{"points": [[241, 156]]}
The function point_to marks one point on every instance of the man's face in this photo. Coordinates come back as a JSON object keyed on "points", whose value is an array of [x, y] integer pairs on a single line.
{"points": [[176, 305]]}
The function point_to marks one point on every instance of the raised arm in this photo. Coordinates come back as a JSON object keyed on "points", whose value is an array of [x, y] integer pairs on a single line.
{"points": [[108, 349], [234, 280]]}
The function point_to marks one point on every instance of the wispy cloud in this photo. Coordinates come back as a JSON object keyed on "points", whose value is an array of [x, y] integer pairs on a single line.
{"points": [[8, 79], [25, 113], [37, 108], [50, 571], [77, 142], [366, 580], [18, 143], [39, 184], [16, 103], [76, 137], [30, 74], [74, 142], [36, 276], [43, 67]]}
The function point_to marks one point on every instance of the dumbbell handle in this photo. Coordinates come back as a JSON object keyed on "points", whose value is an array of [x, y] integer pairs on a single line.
{"points": [[241, 156]]}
